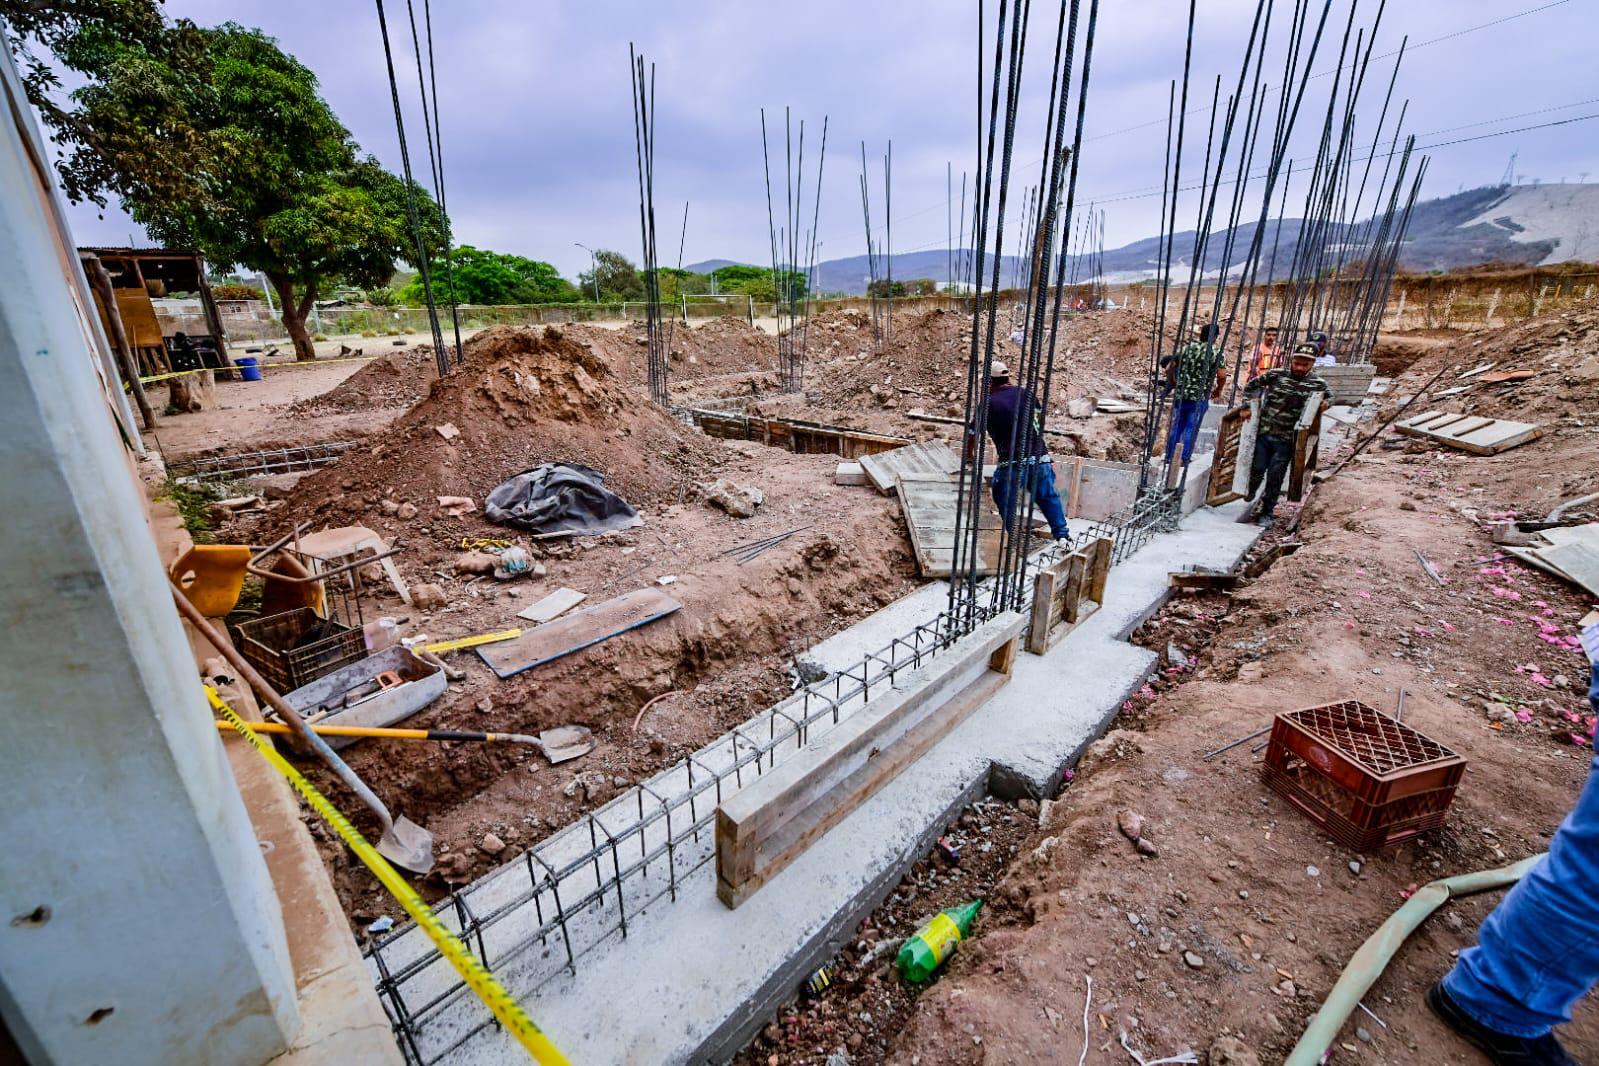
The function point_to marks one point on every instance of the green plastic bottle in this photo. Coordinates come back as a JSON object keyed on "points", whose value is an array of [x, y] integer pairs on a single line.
{"points": [[936, 941]]}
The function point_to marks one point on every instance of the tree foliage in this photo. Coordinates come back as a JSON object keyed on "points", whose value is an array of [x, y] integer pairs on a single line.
{"points": [[759, 282], [485, 277], [216, 139], [619, 279], [233, 290]]}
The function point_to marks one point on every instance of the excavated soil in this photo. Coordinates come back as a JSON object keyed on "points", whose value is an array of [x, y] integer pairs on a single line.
{"points": [[399, 379]]}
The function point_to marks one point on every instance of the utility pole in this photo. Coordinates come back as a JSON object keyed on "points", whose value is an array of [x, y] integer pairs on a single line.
{"points": [[594, 268]]}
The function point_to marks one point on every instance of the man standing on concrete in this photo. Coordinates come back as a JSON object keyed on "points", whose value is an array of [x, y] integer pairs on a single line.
{"points": [[1536, 954], [1015, 424], [1196, 374], [1283, 396]]}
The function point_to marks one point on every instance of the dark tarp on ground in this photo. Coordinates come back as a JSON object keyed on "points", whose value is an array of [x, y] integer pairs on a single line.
{"points": [[559, 498]]}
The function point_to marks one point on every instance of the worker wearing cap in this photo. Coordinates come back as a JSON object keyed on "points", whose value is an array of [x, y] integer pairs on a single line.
{"points": [[1536, 955], [1196, 374], [1283, 396], [1015, 423]]}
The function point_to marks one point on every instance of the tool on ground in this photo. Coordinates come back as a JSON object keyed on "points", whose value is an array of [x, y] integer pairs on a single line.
{"points": [[1399, 714], [403, 842], [935, 942], [1426, 564], [440, 646], [482, 983], [1241, 740], [558, 745], [745, 552]]}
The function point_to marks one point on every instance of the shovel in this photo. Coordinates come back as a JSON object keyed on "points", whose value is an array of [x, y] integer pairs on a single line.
{"points": [[404, 843], [558, 744]]}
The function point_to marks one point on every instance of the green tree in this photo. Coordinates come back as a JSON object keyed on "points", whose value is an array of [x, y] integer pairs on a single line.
{"points": [[381, 296], [216, 139], [758, 282], [485, 277], [619, 278], [232, 290]]}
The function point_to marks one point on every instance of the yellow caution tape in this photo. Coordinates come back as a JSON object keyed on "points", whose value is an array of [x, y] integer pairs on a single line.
{"points": [[472, 642], [483, 543], [494, 996]]}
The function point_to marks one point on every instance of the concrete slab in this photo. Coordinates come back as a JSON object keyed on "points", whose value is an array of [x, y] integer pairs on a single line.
{"points": [[701, 979]]}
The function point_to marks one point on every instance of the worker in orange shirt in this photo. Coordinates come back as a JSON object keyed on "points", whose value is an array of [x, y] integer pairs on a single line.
{"points": [[1266, 356]]}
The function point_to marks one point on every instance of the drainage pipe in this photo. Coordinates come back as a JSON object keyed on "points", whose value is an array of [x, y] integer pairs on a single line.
{"points": [[1373, 956]]}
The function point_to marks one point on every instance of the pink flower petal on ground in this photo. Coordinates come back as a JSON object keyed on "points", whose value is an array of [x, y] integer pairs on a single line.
{"points": [[1571, 716], [1579, 740], [1523, 715], [1539, 679], [1505, 622], [1540, 603], [1506, 593], [1348, 624], [1495, 571], [1067, 775], [1363, 594], [1448, 628], [1423, 631]]}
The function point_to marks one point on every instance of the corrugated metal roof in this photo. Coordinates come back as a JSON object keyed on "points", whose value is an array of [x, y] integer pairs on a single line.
{"points": [[176, 253]]}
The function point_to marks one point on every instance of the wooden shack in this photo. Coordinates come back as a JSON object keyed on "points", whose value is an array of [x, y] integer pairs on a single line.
{"points": [[140, 275]]}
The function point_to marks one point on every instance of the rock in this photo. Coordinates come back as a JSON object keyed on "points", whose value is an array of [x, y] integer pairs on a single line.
{"points": [[491, 844], [1174, 655], [1311, 871], [1406, 505], [1362, 1034], [1146, 847], [486, 704], [1251, 672], [456, 506], [1243, 893], [389, 506], [1046, 813], [1231, 1051], [736, 500], [406, 511], [1131, 824], [1082, 407], [1133, 918], [1194, 961], [1354, 867], [447, 431], [427, 597], [1027, 806]]}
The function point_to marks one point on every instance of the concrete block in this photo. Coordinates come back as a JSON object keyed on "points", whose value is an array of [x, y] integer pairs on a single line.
{"points": [[849, 474]]}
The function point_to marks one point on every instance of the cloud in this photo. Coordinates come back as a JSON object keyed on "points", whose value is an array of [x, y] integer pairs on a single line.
{"points": [[538, 136]]}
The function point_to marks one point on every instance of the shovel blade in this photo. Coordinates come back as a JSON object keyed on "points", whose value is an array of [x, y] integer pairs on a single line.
{"points": [[566, 742], [408, 846]]}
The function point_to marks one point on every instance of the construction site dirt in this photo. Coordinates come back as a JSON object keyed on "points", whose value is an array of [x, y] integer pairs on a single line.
{"points": [[1350, 614]]}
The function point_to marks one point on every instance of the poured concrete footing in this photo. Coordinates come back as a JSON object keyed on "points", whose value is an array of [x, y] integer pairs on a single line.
{"points": [[693, 981]]}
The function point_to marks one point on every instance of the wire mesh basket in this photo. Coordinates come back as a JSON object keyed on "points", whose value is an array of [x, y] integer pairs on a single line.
{"points": [[295, 647]]}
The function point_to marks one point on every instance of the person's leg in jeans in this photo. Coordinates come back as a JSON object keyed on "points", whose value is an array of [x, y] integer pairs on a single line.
{"points": [[1185, 416], [1538, 952], [1277, 452], [1048, 499], [1196, 418], [1004, 486]]}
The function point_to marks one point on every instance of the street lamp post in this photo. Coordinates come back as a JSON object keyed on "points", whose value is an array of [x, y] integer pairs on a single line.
{"points": [[594, 268]]}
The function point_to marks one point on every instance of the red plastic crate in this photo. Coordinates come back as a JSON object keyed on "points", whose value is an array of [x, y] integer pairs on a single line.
{"points": [[1370, 781]]}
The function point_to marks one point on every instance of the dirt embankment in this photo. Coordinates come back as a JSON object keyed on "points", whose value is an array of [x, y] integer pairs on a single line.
{"points": [[396, 380]]}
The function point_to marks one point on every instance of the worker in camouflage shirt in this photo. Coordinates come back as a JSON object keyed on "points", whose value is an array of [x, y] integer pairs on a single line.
{"points": [[1196, 375], [1283, 395]]}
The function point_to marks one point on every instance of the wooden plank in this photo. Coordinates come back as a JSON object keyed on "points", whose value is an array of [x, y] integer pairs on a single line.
{"points": [[577, 631], [1099, 569], [1043, 600], [1072, 594], [930, 504], [552, 606], [1477, 434], [766, 825], [931, 458]]}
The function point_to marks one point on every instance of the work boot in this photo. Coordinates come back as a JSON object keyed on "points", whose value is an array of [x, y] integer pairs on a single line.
{"points": [[1501, 1049], [1266, 518]]}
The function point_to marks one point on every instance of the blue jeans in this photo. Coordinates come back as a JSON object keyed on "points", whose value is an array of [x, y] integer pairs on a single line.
{"points": [[1186, 415], [1538, 952], [1037, 478]]}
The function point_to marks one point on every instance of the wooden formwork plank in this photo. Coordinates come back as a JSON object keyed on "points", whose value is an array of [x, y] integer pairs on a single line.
{"points": [[770, 822], [1477, 434], [931, 458], [1043, 609], [1224, 466], [930, 504]]}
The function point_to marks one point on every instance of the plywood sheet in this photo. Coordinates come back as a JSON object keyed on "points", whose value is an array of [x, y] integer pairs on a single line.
{"points": [[927, 458], [577, 631], [1471, 433]]}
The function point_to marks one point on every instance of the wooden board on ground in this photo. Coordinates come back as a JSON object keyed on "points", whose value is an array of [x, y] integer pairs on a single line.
{"points": [[806, 438], [930, 503], [1224, 466], [1477, 434], [770, 822], [933, 457], [552, 606], [577, 631], [1066, 592]]}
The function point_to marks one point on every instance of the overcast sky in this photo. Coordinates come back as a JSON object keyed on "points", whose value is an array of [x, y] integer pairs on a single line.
{"points": [[538, 129]]}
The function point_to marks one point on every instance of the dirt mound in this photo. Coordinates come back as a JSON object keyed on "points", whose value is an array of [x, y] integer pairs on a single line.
{"points": [[925, 356], [725, 345], [520, 398], [399, 379], [1560, 350]]}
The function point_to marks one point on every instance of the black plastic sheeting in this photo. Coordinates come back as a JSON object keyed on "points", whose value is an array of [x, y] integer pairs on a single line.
{"points": [[559, 498]]}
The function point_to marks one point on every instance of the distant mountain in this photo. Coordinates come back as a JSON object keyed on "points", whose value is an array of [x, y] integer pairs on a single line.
{"points": [[1522, 224], [712, 264]]}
